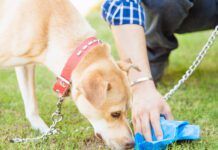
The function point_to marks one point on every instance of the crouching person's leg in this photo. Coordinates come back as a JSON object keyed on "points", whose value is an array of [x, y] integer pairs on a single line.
{"points": [[163, 19]]}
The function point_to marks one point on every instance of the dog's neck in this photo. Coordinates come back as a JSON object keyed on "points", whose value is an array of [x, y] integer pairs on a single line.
{"points": [[56, 58], [97, 55]]}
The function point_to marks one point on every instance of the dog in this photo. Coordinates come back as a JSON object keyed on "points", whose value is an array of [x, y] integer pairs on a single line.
{"points": [[47, 32]]}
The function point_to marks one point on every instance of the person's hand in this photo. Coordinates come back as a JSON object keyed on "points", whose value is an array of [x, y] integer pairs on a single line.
{"points": [[147, 106]]}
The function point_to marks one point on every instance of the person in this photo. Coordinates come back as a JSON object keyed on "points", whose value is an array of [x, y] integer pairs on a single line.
{"points": [[144, 32]]}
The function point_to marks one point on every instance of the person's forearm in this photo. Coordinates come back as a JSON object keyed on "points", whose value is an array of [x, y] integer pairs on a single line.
{"points": [[147, 103], [130, 41]]}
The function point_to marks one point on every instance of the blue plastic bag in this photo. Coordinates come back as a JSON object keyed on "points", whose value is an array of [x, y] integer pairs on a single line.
{"points": [[172, 131]]}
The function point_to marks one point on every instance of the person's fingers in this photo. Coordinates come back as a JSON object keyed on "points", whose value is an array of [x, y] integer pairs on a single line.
{"points": [[146, 128], [167, 112], [155, 122], [137, 126]]}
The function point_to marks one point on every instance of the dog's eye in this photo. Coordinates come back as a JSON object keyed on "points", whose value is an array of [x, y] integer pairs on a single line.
{"points": [[116, 114]]}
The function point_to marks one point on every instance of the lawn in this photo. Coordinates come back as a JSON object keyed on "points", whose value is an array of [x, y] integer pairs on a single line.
{"points": [[196, 101]]}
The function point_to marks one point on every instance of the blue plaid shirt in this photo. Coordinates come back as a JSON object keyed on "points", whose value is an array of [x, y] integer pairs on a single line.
{"points": [[119, 12]]}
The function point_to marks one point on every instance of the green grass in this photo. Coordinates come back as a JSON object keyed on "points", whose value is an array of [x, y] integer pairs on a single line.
{"points": [[196, 101]]}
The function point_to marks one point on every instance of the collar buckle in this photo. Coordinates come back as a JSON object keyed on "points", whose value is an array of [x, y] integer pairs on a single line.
{"points": [[62, 87]]}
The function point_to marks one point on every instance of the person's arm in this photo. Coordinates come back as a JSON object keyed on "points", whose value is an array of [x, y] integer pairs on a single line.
{"points": [[148, 104], [129, 35]]}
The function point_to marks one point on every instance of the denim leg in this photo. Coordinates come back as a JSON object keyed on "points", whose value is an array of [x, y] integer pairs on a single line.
{"points": [[163, 18], [166, 17]]}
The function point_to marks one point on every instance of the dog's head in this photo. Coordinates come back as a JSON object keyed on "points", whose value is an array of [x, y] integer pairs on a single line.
{"points": [[103, 96]]}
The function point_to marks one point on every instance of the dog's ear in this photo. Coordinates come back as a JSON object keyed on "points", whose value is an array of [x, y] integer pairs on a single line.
{"points": [[126, 65], [94, 88]]}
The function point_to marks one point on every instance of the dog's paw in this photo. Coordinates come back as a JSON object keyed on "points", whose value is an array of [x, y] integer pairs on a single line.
{"points": [[38, 124], [42, 129]]}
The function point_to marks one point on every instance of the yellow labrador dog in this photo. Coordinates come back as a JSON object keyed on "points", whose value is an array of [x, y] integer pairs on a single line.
{"points": [[47, 32]]}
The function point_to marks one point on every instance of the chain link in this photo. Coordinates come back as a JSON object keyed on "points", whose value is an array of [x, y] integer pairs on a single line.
{"points": [[57, 116]]}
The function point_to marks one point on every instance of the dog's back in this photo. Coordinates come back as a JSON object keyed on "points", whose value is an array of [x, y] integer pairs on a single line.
{"points": [[27, 27]]}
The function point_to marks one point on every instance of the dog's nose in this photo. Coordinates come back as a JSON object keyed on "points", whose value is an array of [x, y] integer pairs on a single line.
{"points": [[99, 136], [129, 145]]}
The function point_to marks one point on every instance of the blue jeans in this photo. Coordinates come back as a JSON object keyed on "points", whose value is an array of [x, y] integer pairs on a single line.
{"points": [[167, 17]]}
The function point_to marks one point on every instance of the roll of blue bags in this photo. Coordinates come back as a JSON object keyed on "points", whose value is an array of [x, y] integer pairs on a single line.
{"points": [[172, 131]]}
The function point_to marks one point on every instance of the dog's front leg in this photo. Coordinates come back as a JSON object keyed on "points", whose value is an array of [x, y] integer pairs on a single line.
{"points": [[25, 76]]}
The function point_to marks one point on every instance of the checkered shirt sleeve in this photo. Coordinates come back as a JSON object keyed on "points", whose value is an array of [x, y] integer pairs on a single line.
{"points": [[120, 12]]}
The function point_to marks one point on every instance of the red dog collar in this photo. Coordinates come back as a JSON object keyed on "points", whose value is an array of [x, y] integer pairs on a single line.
{"points": [[63, 84]]}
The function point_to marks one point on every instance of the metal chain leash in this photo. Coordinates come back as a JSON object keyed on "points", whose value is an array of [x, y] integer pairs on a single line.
{"points": [[195, 63], [57, 116]]}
